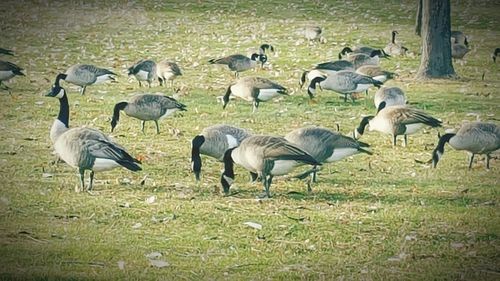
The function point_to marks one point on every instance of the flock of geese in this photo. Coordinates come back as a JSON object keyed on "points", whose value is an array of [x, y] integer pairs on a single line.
{"points": [[263, 156]]}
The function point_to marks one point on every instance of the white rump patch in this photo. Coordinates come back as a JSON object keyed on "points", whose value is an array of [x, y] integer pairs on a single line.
{"points": [[231, 141], [103, 78], [413, 128], [102, 164], [283, 167], [168, 112], [362, 87], [341, 153], [6, 74], [267, 94], [142, 75], [380, 78]]}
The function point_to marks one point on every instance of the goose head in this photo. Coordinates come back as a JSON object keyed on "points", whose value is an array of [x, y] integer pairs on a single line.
{"points": [[359, 131], [57, 91], [344, 52]]}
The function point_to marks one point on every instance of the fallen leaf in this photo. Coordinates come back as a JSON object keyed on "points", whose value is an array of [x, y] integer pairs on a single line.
{"points": [[158, 263], [153, 255], [137, 225], [121, 265], [253, 225], [151, 199]]}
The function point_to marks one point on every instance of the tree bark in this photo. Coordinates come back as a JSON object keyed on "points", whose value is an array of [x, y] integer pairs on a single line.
{"points": [[418, 19], [436, 45]]}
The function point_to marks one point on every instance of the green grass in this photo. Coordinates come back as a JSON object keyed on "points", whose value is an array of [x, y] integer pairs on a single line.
{"points": [[380, 217]]}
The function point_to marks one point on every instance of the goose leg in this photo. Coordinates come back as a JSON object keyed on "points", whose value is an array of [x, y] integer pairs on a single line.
{"points": [[82, 180], [140, 85], [161, 81], [149, 83], [345, 97], [142, 126], [487, 161], [394, 140], [91, 184], [157, 127], [470, 160], [269, 180], [83, 90], [405, 143]]}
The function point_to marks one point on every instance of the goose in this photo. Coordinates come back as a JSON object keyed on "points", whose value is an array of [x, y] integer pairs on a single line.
{"points": [[6, 52], [143, 70], [495, 54], [266, 156], [239, 63], [393, 48], [474, 137], [86, 148], [325, 146], [397, 120], [7, 71], [167, 71], [254, 89], [458, 51], [262, 53], [343, 82], [375, 72], [84, 75], [214, 141], [458, 37], [360, 59], [147, 107], [312, 32], [324, 69], [389, 96]]}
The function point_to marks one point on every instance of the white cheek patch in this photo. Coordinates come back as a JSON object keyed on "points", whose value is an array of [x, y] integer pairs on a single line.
{"points": [[228, 180], [60, 94], [231, 141]]}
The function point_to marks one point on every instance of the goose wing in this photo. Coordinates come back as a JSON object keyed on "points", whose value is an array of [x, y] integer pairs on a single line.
{"points": [[8, 66], [406, 116], [281, 149], [263, 83]]}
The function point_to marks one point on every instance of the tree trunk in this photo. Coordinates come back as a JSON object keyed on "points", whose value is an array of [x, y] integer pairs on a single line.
{"points": [[418, 20], [436, 45]]}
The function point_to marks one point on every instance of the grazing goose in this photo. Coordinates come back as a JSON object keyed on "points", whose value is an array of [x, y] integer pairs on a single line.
{"points": [[239, 63], [458, 51], [84, 75], [265, 156], [393, 48], [343, 82], [143, 70], [6, 52], [495, 54], [360, 59], [167, 71], [312, 33], [375, 72], [86, 148], [262, 53], [325, 69], [389, 96], [474, 137], [214, 141], [147, 107], [254, 89], [7, 71], [397, 120], [458, 37], [325, 145]]}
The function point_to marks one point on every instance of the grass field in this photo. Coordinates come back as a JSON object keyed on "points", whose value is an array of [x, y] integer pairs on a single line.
{"points": [[380, 217]]}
